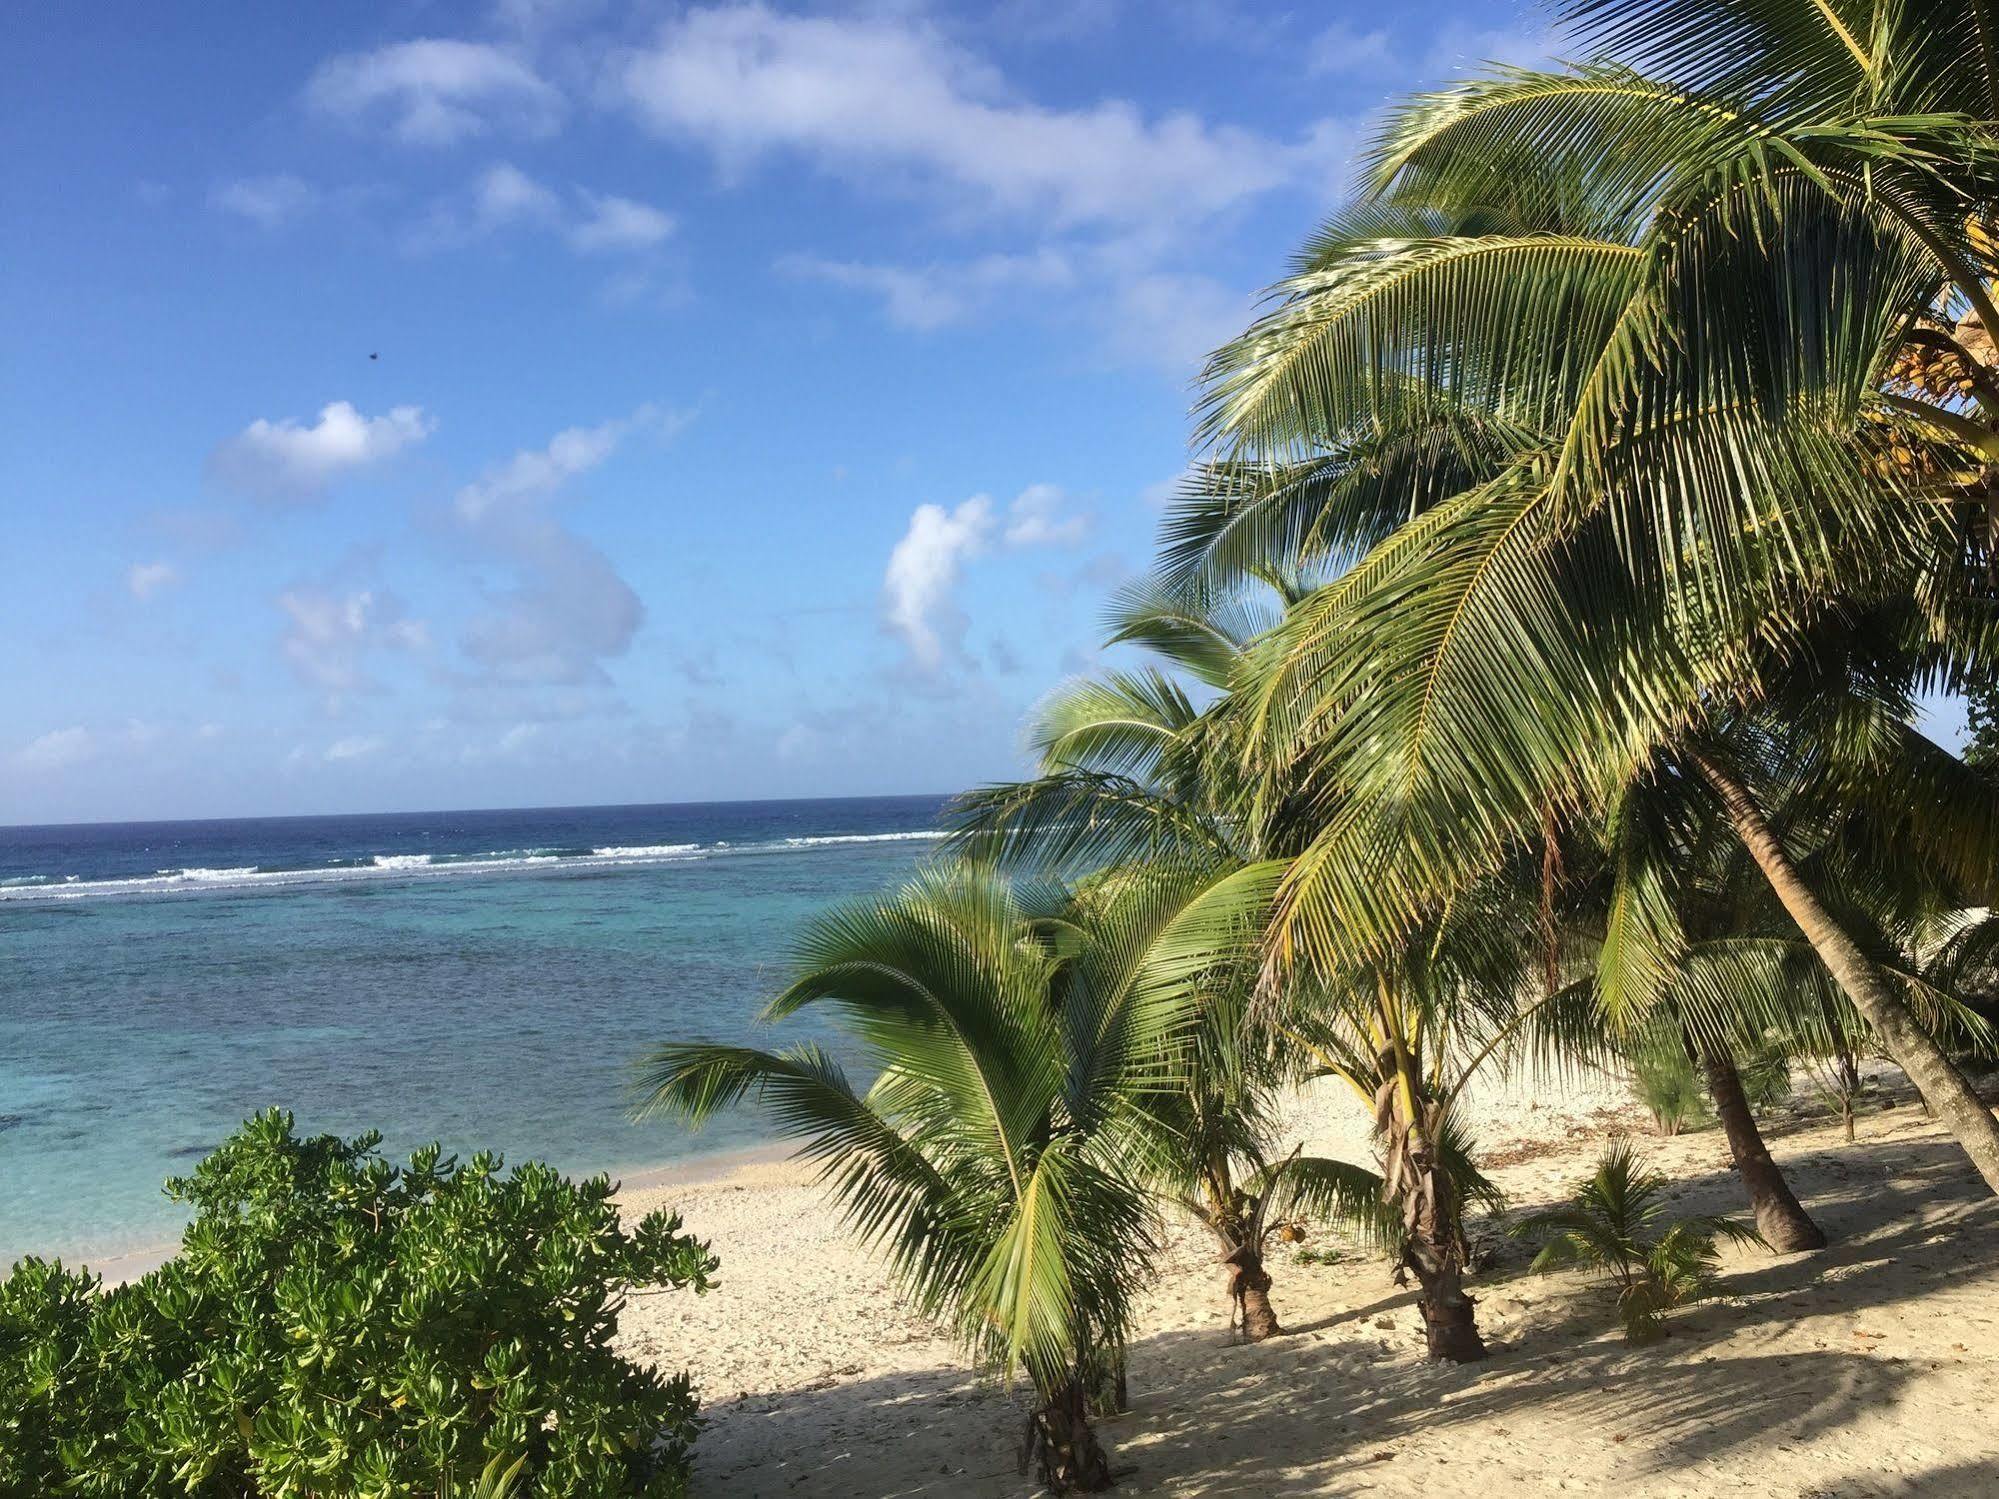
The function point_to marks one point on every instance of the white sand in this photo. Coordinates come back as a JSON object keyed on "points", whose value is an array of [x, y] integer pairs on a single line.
{"points": [[1868, 1369]]}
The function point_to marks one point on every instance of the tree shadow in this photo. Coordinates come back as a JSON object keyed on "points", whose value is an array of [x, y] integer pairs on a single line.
{"points": [[1784, 1358]]}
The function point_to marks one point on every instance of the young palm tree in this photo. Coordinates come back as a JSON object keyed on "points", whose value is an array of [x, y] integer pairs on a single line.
{"points": [[1613, 1226], [1618, 385], [1018, 1034], [1409, 1035], [1215, 1149]]}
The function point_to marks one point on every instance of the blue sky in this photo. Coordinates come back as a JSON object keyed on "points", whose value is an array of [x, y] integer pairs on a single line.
{"points": [[441, 405]]}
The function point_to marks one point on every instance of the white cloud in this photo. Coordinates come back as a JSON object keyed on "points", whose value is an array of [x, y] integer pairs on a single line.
{"points": [[145, 579], [869, 95], [57, 749], [925, 566], [1035, 519], [505, 197], [434, 92], [268, 202], [568, 608], [331, 635], [534, 473], [1344, 48], [614, 223], [285, 461], [1146, 315], [353, 747], [504, 194], [929, 297], [923, 570]]}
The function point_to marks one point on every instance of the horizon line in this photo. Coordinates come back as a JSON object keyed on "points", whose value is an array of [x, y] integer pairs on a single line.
{"points": [[731, 801]]}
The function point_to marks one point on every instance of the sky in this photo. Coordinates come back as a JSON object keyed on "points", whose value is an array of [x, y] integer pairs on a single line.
{"points": [[419, 406]]}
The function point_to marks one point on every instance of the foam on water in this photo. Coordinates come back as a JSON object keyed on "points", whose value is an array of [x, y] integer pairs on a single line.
{"points": [[835, 838], [43, 886]]}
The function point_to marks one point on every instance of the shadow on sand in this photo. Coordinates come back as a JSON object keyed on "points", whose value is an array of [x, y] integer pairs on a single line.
{"points": [[1338, 1407]]}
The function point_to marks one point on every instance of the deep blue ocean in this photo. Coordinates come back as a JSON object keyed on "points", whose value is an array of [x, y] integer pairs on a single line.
{"points": [[483, 979]]}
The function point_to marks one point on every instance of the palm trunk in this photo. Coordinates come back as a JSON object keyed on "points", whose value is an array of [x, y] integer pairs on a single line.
{"points": [[1936, 1077], [1432, 1245], [1450, 1317], [1064, 1447], [1779, 1218], [1109, 1394], [1249, 1284]]}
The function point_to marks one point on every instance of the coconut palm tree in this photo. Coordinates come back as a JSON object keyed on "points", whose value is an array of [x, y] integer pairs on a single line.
{"points": [[1620, 387], [1133, 771], [1017, 1033], [1213, 1145]]}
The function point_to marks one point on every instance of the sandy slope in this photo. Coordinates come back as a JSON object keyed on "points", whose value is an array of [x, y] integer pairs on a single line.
{"points": [[1871, 1368]]}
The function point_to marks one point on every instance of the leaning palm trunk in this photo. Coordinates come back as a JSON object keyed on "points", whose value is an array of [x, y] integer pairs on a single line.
{"points": [[1783, 1223], [1944, 1088]]}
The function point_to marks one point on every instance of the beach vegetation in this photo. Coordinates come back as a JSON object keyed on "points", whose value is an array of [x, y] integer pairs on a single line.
{"points": [[337, 1324], [1016, 1032], [1616, 1227], [1664, 1081], [1628, 397]]}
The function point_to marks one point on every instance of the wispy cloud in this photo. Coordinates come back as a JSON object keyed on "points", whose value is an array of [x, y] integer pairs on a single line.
{"points": [[330, 635], [868, 94], [1345, 48], [1144, 313], [436, 92], [613, 223], [926, 298], [504, 197], [144, 579], [567, 609], [286, 461], [354, 747], [269, 202], [57, 750]]}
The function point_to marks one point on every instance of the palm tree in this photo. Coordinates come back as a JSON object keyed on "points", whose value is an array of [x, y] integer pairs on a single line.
{"points": [[1215, 1150], [1133, 771], [1142, 766], [1621, 387], [1613, 1225], [1017, 1033]]}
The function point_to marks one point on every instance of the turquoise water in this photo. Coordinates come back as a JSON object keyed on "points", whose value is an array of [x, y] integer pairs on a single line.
{"points": [[481, 979]]}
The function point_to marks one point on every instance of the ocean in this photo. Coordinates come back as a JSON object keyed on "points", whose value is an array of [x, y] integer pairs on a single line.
{"points": [[483, 979]]}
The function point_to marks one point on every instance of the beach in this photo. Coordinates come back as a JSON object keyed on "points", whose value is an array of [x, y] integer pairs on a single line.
{"points": [[1866, 1369]]}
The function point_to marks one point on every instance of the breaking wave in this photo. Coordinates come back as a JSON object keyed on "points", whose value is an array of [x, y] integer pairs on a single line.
{"points": [[415, 867]]}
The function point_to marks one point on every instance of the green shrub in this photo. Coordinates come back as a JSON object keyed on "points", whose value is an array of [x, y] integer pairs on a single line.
{"points": [[336, 1325], [1663, 1078]]}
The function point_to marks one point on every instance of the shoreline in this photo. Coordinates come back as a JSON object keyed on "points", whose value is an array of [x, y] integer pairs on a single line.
{"points": [[806, 1359]]}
